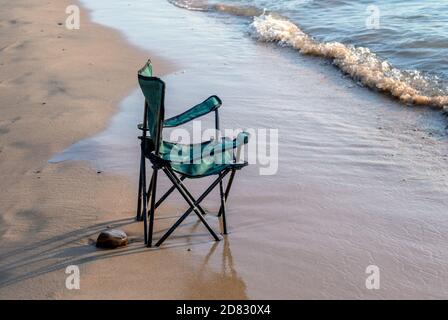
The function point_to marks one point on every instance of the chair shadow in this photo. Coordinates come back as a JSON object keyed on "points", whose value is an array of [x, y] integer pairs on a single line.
{"points": [[36, 258], [58, 246], [56, 242]]}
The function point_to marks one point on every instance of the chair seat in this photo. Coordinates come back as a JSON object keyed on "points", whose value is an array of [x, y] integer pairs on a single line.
{"points": [[205, 158], [204, 169]]}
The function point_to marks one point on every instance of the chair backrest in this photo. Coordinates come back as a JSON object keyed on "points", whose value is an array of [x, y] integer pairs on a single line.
{"points": [[153, 89]]}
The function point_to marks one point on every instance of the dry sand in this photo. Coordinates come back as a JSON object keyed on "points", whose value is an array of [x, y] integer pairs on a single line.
{"points": [[56, 87]]}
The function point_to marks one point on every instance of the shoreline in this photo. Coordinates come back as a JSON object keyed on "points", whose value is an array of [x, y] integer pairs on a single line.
{"points": [[351, 189], [57, 87]]}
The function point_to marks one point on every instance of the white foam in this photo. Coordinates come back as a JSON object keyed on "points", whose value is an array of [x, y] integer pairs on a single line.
{"points": [[359, 62]]}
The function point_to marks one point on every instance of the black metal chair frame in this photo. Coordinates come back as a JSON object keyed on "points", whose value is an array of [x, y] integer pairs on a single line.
{"points": [[145, 198]]}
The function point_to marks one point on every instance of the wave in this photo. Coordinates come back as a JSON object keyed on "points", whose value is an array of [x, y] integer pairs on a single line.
{"points": [[359, 62], [364, 66], [202, 5]]}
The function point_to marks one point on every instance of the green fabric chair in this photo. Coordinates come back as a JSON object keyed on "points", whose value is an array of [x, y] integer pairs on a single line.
{"points": [[218, 157]]}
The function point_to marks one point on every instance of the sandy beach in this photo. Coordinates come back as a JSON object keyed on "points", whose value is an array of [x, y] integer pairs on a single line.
{"points": [[354, 188], [57, 86]]}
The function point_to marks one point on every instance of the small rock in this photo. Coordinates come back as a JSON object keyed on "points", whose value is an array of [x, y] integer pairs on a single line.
{"points": [[112, 238], [59, 23], [99, 172]]}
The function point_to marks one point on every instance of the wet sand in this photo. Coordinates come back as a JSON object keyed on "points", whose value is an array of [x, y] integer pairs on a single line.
{"points": [[57, 87], [361, 178]]}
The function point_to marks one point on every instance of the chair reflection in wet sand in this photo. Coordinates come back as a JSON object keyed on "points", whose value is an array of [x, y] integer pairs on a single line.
{"points": [[218, 282]]}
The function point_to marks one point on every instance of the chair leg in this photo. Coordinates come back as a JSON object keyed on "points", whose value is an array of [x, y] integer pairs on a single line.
{"points": [[170, 190], [179, 181], [190, 195], [149, 191], [191, 201], [173, 227], [222, 210], [140, 188], [194, 205], [144, 212], [229, 185], [152, 209]]}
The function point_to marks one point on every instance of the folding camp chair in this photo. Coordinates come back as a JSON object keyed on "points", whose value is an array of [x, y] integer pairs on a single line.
{"points": [[217, 157]]}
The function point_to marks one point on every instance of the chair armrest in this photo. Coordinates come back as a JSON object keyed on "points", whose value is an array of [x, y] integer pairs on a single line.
{"points": [[241, 139], [210, 104], [140, 126]]}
